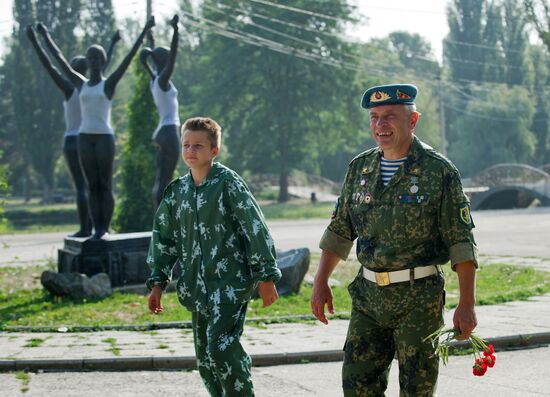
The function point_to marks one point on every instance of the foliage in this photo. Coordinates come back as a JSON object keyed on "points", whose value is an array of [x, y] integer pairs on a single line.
{"points": [[515, 42], [489, 134], [481, 130], [285, 85], [538, 12], [466, 26], [277, 108], [38, 125], [134, 210], [3, 191], [98, 22], [541, 122]]}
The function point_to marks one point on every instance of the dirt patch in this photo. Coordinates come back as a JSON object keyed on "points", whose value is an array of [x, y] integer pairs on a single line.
{"points": [[12, 278]]}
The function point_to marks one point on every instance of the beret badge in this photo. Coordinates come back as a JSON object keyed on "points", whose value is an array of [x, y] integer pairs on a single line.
{"points": [[379, 96]]}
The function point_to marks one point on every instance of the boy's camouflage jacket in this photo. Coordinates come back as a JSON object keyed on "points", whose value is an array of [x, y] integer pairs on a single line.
{"points": [[218, 234], [421, 217]]}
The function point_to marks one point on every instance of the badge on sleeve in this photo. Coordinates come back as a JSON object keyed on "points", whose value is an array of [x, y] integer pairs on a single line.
{"points": [[464, 214]]}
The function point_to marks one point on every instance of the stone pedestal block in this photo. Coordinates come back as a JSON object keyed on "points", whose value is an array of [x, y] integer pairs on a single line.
{"points": [[77, 285], [122, 256], [294, 265]]}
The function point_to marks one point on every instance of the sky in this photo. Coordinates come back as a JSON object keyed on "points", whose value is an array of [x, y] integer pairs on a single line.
{"points": [[425, 17]]}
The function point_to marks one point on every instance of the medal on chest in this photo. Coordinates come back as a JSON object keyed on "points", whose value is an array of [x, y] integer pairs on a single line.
{"points": [[414, 187]]}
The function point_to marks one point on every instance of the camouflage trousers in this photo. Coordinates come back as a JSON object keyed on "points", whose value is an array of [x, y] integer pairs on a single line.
{"points": [[390, 319], [223, 365]]}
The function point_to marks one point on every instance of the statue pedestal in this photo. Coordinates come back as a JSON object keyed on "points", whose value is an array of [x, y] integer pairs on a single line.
{"points": [[122, 256]]}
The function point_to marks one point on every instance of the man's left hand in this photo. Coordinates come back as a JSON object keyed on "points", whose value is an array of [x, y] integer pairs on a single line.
{"points": [[465, 320]]}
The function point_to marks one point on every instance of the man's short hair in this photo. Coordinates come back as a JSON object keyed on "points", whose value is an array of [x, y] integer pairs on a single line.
{"points": [[206, 124], [411, 108]]}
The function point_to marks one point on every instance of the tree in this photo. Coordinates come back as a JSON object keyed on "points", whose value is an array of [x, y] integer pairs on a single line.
{"points": [[3, 190], [461, 47], [414, 52], [36, 113], [134, 211], [98, 22], [494, 132], [538, 12], [280, 91], [494, 65], [541, 122], [515, 42]]}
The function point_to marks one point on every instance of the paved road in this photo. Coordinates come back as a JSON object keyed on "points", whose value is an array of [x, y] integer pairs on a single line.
{"points": [[523, 233], [524, 373]]}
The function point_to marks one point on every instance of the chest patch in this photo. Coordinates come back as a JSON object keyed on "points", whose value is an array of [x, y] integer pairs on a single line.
{"points": [[413, 198]]}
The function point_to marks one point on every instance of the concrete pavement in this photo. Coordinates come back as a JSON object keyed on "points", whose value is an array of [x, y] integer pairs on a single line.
{"points": [[523, 373], [516, 323]]}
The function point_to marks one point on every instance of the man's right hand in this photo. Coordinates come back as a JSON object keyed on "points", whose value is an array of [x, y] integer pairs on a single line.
{"points": [[321, 295], [154, 300]]}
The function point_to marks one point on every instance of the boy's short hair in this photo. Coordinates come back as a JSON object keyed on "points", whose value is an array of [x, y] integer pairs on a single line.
{"points": [[206, 124]]}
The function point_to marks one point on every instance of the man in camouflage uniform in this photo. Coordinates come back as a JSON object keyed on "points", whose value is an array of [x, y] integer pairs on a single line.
{"points": [[405, 228]]}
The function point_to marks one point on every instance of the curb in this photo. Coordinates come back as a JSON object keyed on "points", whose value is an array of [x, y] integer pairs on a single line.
{"points": [[160, 325], [520, 341]]}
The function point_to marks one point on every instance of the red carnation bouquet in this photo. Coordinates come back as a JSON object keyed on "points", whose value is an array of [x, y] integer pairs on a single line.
{"points": [[484, 354]]}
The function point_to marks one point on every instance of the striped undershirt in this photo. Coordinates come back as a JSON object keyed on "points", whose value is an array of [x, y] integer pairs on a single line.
{"points": [[390, 167]]}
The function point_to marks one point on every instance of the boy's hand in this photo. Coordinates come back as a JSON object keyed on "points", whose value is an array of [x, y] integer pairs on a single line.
{"points": [[154, 300], [268, 293]]}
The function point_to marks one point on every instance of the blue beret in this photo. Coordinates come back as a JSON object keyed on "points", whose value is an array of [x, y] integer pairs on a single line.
{"points": [[391, 94]]}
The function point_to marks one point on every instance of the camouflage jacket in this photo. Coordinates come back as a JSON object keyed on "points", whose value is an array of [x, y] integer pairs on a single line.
{"points": [[421, 217], [218, 233]]}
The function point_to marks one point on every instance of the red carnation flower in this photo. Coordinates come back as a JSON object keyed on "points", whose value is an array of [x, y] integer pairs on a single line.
{"points": [[489, 350], [480, 367], [490, 360]]}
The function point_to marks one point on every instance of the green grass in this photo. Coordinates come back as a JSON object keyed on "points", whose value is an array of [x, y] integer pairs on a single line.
{"points": [[34, 307], [22, 277], [25, 380], [15, 205], [40, 228], [113, 346], [300, 209], [34, 342], [33, 217]]}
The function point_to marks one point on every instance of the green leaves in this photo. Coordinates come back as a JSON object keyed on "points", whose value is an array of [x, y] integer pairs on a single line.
{"points": [[134, 210]]}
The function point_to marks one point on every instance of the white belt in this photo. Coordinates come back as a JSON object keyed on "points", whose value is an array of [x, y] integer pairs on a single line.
{"points": [[386, 278]]}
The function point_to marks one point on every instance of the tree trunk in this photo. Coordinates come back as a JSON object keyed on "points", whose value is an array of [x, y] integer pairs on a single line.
{"points": [[46, 193], [283, 187], [26, 186]]}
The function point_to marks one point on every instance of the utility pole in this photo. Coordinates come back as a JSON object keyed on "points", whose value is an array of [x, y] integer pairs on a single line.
{"points": [[149, 9]]}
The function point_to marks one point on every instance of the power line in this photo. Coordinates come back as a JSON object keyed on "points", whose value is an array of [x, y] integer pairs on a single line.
{"points": [[261, 16], [273, 45], [299, 10], [279, 33], [485, 47], [259, 26], [484, 117]]}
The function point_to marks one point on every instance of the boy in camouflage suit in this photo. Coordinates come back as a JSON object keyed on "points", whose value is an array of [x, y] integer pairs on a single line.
{"points": [[404, 204], [210, 222]]}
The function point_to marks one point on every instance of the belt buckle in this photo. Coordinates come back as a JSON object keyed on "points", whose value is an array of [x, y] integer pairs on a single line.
{"points": [[382, 278]]}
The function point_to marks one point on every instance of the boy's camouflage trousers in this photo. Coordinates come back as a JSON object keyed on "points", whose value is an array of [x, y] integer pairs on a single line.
{"points": [[223, 365]]}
